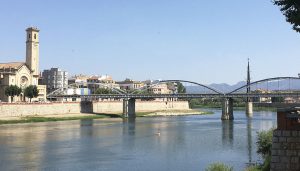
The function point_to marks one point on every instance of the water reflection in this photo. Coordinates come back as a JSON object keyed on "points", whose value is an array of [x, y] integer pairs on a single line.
{"points": [[228, 136], [128, 133], [249, 139], [85, 127], [227, 133], [185, 143], [129, 126]]}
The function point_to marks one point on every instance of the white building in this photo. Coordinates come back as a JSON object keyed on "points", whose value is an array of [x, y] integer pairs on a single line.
{"points": [[55, 79]]}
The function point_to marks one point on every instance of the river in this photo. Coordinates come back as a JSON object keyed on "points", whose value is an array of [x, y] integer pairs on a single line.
{"points": [[185, 143]]}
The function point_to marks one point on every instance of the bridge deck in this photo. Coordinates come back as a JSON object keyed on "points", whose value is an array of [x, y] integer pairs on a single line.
{"points": [[141, 96]]}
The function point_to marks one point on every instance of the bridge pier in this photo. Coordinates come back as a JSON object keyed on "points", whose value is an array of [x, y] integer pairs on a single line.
{"points": [[129, 108], [125, 108], [249, 109], [227, 109]]}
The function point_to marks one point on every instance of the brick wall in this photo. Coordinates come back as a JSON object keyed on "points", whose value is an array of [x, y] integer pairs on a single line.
{"points": [[285, 150], [286, 141]]}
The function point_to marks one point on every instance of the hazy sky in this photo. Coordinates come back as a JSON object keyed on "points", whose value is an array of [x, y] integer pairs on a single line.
{"points": [[196, 40]]}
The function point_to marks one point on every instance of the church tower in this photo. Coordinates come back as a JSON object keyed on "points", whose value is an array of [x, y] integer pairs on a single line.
{"points": [[32, 50]]}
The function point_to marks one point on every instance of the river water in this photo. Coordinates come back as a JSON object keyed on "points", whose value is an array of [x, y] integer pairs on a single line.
{"points": [[185, 143]]}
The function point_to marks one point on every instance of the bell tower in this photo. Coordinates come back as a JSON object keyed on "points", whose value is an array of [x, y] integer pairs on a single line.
{"points": [[32, 49]]}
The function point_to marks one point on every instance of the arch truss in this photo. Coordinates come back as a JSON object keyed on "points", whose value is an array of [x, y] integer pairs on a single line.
{"points": [[175, 87], [276, 84]]}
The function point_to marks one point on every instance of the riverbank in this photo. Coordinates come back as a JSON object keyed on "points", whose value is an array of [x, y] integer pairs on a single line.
{"points": [[79, 116], [272, 109], [50, 118], [173, 113]]}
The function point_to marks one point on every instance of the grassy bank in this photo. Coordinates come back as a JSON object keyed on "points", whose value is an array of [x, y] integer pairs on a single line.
{"points": [[31, 119]]}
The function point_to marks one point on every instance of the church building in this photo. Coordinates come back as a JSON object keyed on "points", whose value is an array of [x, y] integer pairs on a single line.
{"points": [[26, 73]]}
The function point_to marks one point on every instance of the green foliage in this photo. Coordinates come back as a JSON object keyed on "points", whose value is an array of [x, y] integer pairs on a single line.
{"points": [[180, 88], [253, 168], [214, 102], [291, 10], [264, 147], [267, 163], [219, 167], [264, 143], [31, 92], [211, 103], [12, 91], [103, 91], [277, 99]]}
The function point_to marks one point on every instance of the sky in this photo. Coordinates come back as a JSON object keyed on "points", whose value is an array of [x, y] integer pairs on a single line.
{"points": [[195, 40]]}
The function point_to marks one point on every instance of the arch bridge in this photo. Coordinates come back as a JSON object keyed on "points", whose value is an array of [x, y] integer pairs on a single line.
{"points": [[270, 88]]}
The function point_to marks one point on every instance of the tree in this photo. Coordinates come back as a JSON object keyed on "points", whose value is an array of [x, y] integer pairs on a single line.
{"points": [[12, 91], [103, 91], [291, 10], [31, 92], [180, 88], [264, 147]]}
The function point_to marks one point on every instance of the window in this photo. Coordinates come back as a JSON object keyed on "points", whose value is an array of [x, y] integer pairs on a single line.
{"points": [[34, 36], [29, 36]]}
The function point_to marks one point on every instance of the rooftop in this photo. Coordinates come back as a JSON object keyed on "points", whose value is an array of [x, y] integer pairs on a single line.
{"points": [[14, 65]]}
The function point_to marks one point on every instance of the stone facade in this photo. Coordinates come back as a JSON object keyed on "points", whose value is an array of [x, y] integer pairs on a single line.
{"points": [[39, 109], [285, 150], [23, 74]]}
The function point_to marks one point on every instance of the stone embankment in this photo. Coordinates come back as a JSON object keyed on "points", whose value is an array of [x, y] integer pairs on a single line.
{"points": [[62, 108]]}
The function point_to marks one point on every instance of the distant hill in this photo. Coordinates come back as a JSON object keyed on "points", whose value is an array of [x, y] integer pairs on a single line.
{"points": [[226, 87], [271, 85]]}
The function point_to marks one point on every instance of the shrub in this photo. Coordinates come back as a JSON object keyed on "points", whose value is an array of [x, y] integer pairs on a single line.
{"points": [[219, 167], [253, 168], [264, 143]]}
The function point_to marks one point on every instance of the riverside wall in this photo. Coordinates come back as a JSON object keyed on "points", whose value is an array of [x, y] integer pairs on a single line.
{"points": [[140, 106], [29, 109], [40, 109]]}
